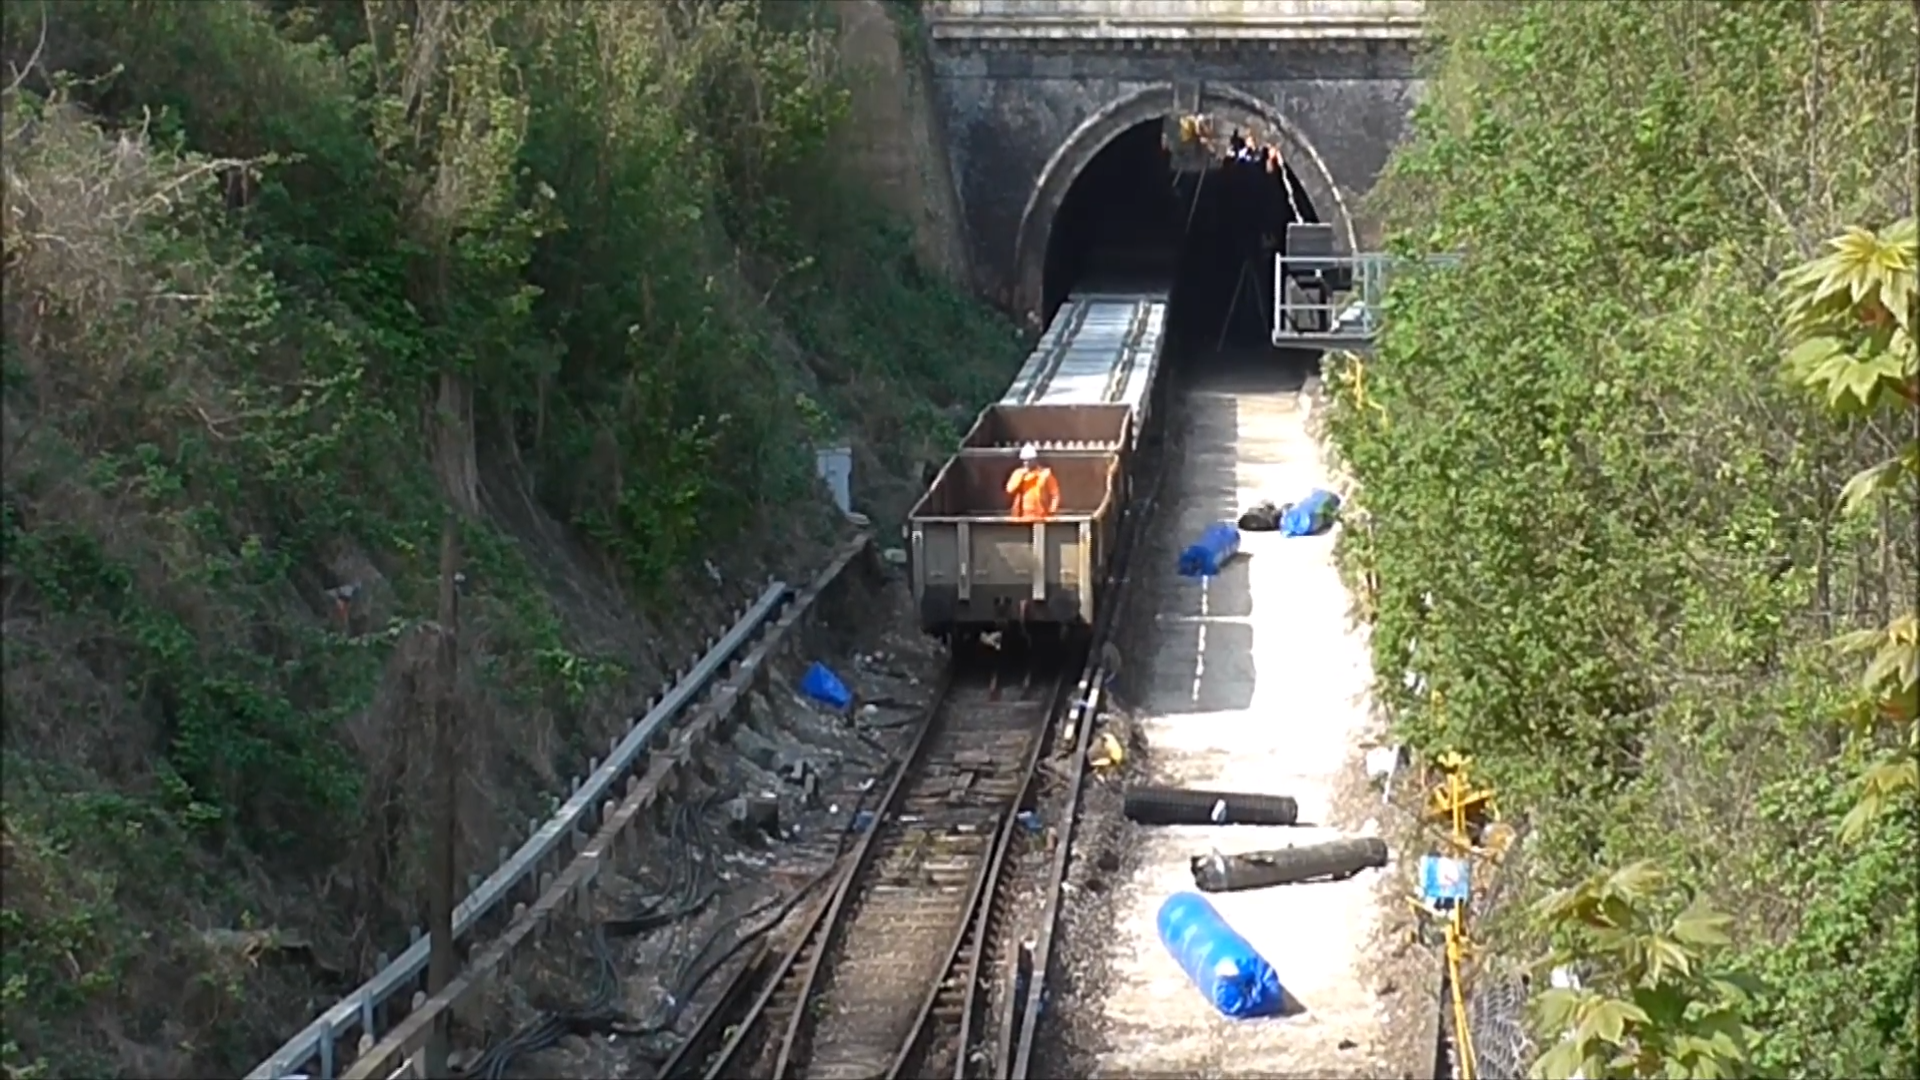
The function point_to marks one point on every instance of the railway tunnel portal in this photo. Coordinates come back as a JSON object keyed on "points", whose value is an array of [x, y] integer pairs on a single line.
{"points": [[1206, 216], [1056, 111]]}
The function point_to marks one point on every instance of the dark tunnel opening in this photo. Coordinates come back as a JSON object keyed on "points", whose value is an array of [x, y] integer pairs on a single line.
{"points": [[1132, 219]]}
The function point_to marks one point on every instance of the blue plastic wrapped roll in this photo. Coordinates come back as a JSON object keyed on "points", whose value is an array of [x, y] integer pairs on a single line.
{"points": [[1206, 556], [1310, 516], [823, 686], [1226, 970]]}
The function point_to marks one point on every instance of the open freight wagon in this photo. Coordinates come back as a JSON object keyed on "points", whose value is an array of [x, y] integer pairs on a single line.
{"points": [[974, 568], [1056, 430]]}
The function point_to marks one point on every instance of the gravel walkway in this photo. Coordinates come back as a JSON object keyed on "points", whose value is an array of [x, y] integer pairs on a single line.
{"points": [[1253, 681]]}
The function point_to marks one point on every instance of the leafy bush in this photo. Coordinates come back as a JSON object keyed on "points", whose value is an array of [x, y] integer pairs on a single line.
{"points": [[1601, 529], [1674, 1015]]}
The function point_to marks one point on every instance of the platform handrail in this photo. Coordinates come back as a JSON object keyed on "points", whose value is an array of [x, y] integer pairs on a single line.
{"points": [[1344, 316], [318, 1041]]}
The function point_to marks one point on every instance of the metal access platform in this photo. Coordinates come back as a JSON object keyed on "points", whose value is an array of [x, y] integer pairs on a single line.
{"points": [[1326, 300]]}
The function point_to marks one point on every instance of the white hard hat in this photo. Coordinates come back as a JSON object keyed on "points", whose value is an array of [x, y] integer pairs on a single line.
{"points": [[1029, 452]]}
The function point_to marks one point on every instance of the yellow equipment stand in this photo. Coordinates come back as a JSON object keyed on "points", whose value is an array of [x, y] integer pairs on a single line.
{"points": [[1473, 834]]}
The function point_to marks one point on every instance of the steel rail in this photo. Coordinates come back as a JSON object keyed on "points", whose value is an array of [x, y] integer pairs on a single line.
{"points": [[819, 948], [1030, 719], [976, 926], [1032, 383], [1014, 1052], [723, 1065], [572, 885]]}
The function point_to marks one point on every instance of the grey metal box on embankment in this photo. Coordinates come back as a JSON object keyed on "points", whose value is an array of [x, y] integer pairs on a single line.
{"points": [[975, 567]]}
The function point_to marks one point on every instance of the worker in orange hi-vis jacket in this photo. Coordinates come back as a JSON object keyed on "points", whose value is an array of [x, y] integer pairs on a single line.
{"points": [[1036, 494]]}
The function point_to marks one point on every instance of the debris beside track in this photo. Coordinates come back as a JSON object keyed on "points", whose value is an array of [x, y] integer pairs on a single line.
{"points": [[1334, 860], [784, 748], [1251, 683], [1156, 805], [880, 983]]}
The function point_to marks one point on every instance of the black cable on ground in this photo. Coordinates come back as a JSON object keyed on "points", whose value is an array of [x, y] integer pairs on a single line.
{"points": [[678, 1001], [694, 975], [598, 1014], [688, 883]]}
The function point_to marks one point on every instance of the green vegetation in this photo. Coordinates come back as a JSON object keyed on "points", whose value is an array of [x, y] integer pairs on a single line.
{"points": [[1624, 554], [1663, 1008], [282, 282]]}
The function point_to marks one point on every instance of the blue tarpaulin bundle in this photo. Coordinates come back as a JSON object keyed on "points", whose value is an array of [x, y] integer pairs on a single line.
{"points": [[1310, 516], [1206, 556], [1226, 970], [823, 686]]}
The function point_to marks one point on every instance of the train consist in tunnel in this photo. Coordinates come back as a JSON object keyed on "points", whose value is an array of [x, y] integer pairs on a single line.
{"points": [[1141, 232], [1077, 408]]}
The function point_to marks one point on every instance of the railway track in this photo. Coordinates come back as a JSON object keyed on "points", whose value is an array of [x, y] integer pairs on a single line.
{"points": [[924, 958], [876, 980], [1009, 1050], [928, 953]]}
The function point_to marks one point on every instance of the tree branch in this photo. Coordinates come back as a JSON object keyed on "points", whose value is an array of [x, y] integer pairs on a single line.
{"points": [[20, 73]]}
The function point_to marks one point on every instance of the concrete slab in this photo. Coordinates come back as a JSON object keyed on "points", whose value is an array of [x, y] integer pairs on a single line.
{"points": [[1254, 682]]}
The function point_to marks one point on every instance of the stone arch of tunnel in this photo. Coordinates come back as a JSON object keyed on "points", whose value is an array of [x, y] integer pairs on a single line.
{"points": [[1230, 108]]}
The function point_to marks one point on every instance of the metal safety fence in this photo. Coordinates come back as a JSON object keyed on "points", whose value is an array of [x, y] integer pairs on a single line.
{"points": [[356, 1020]]}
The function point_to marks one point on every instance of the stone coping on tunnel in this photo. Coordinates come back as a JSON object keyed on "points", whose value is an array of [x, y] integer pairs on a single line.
{"points": [[1174, 20]]}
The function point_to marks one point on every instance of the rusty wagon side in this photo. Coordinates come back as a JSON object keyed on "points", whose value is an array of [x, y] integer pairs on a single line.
{"points": [[974, 568], [1055, 430], [1072, 428]]}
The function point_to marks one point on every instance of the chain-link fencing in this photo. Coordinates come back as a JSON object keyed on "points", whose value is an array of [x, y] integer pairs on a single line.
{"points": [[1503, 1045], [1497, 993]]}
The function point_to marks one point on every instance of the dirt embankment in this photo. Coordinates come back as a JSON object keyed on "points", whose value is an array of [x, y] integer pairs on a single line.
{"points": [[143, 937]]}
